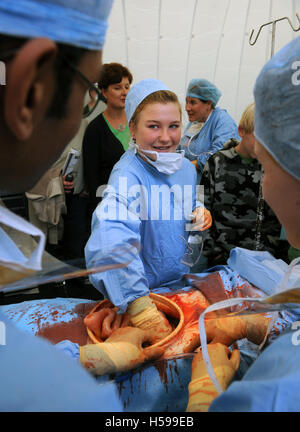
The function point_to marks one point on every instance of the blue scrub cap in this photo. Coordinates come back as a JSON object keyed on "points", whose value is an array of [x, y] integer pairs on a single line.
{"points": [[139, 92], [277, 107], [203, 90], [82, 23]]}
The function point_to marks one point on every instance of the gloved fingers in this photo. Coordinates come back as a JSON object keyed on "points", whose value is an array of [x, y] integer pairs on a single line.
{"points": [[202, 219], [152, 353], [235, 359], [214, 335], [207, 219], [219, 353], [125, 320], [94, 321], [149, 337], [128, 334], [117, 322], [107, 324]]}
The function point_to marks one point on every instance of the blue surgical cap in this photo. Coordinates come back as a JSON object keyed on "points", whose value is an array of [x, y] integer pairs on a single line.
{"points": [[82, 23], [203, 90], [277, 107], [139, 92]]}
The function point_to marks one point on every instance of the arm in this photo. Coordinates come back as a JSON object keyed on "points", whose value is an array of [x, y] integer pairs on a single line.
{"points": [[201, 389], [221, 129], [121, 352], [121, 285]]}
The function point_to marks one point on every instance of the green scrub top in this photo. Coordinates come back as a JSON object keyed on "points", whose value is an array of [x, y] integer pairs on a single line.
{"points": [[122, 136]]}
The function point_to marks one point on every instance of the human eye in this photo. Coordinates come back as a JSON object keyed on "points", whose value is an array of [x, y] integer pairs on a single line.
{"points": [[174, 126]]}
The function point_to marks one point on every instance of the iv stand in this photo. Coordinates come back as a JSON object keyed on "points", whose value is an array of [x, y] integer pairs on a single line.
{"points": [[260, 206], [273, 31]]}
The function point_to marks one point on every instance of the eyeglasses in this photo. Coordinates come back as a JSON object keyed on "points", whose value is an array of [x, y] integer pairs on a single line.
{"points": [[93, 94]]}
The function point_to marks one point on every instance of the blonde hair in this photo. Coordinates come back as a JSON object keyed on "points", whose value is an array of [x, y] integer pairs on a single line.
{"points": [[161, 96], [247, 119]]}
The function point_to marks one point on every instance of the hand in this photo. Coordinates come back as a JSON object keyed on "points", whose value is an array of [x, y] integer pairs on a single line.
{"points": [[194, 162], [202, 219], [219, 356], [145, 315], [201, 389], [229, 329], [120, 352], [137, 338], [68, 185]]}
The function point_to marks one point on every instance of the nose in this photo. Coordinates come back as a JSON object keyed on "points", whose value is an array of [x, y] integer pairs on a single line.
{"points": [[165, 135]]}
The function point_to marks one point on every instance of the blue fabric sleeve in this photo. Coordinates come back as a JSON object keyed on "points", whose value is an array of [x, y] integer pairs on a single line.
{"points": [[69, 348], [121, 285], [36, 376], [221, 128]]}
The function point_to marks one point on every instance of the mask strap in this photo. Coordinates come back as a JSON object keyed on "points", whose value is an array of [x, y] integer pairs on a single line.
{"points": [[133, 145], [203, 339]]}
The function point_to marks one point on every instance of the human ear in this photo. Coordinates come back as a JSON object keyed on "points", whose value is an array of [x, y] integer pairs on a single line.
{"points": [[132, 129], [241, 131], [30, 86], [103, 91]]}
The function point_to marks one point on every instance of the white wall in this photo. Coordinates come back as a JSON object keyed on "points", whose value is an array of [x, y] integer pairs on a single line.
{"points": [[177, 40]]}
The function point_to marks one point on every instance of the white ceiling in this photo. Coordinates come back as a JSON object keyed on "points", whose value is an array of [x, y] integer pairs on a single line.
{"points": [[177, 40]]}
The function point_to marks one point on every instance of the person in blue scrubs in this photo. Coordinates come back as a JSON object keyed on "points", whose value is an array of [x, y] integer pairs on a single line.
{"points": [[150, 198], [52, 53], [209, 127], [272, 382]]}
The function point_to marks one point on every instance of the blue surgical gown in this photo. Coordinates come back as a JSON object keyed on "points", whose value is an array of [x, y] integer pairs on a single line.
{"points": [[217, 129], [37, 376], [271, 384], [151, 216]]}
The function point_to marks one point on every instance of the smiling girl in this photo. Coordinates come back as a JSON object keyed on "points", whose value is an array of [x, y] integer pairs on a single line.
{"points": [[146, 189]]}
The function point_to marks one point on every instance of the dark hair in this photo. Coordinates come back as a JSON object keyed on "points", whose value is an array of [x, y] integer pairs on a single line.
{"points": [[64, 74], [113, 73]]}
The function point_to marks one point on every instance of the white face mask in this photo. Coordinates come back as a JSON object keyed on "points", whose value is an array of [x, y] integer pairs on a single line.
{"points": [[166, 163], [13, 264]]}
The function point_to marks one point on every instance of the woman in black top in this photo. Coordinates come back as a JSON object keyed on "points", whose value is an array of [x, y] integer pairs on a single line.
{"points": [[107, 136]]}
